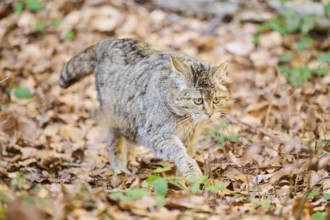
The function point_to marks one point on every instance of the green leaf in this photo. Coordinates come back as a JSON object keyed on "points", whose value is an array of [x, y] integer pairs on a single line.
{"points": [[137, 193], [69, 36], [326, 196], [275, 26], [319, 216], [256, 38], [321, 71], [56, 23], [327, 10], [126, 199], [223, 124], [313, 193], [197, 184], [214, 188], [283, 2], [34, 5], [161, 169], [232, 138], [116, 195], [3, 197], [22, 93], [308, 23], [323, 144], [160, 186], [284, 70], [286, 57], [292, 21], [196, 187], [324, 58], [39, 25], [304, 43], [177, 184], [297, 76], [151, 179], [160, 201], [19, 6]]}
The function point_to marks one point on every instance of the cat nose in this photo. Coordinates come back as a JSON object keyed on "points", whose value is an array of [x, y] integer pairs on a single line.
{"points": [[209, 113]]}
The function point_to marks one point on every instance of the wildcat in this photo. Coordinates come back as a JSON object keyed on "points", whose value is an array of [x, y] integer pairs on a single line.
{"points": [[160, 100]]}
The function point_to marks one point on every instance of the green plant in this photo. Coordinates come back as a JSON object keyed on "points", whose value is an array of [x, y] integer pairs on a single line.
{"points": [[208, 186], [22, 93], [157, 182], [290, 22], [327, 10], [56, 23], [32, 5], [69, 36], [304, 43], [39, 25], [286, 57], [265, 203], [18, 182], [326, 196], [219, 139], [296, 76], [324, 58], [129, 196], [313, 193], [319, 216]]}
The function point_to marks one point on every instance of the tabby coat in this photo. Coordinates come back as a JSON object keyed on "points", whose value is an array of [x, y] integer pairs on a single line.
{"points": [[147, 97]]}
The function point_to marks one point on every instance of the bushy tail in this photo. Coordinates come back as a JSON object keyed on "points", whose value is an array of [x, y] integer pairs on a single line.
{"points": [[124, 51], [79, 66]]}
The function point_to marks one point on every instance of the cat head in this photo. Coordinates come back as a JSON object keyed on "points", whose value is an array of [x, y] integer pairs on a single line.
{"points": [[200, 93]]}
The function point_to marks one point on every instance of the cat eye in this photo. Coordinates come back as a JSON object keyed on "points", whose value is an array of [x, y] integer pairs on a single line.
{"points": [[198, 101], [216, 100]]}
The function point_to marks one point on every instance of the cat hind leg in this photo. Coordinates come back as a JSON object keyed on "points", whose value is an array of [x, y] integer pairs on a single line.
{"points": [[131, 155], [117, 153]]}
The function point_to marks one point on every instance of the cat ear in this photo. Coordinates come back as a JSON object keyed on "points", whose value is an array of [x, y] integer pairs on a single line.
{"points": [[178, 73], [220, 72], [177, 65]]}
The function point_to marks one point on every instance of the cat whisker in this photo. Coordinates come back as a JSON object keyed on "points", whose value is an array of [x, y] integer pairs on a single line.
{"points": [[236, 99], [183, 120]]}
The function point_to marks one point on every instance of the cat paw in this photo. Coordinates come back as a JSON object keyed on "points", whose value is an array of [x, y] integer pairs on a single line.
{"points": [[133, 163], [193, 175], [191, 170], [119, 166]]}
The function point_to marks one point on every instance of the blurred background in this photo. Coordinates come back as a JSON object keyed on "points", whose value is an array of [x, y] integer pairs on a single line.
{"points": [[278, 113]]}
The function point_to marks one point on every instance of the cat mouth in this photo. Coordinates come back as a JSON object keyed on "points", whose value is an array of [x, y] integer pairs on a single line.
{"points": [[200, 118]]}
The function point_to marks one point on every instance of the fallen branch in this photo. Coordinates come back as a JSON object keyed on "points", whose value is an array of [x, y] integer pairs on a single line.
{"points": [[261, 130]]}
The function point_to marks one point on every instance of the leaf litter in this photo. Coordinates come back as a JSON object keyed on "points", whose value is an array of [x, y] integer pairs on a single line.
{"points": [[268, 158]]}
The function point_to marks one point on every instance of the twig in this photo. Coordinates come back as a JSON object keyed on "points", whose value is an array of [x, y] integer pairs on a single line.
{"points": [[68, 164], [214, 24], [261, 130], [270, 105], [3, 80], [255, 168], [304, 199]]}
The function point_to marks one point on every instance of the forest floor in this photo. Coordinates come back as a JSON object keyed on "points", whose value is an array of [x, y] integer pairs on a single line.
{"points": [[268, 159]]}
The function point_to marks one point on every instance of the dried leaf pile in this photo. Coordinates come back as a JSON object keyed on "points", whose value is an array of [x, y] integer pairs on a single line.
{"points": [[268, 158]]}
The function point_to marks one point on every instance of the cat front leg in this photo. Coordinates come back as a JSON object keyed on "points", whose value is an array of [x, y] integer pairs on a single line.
{"points": [[170, 147]]}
